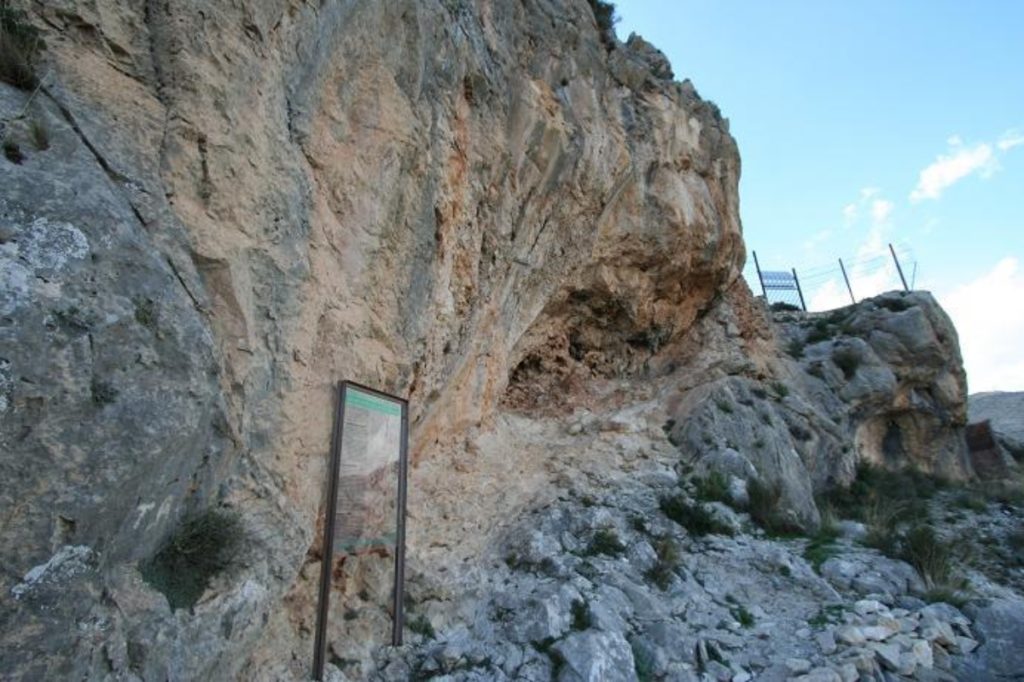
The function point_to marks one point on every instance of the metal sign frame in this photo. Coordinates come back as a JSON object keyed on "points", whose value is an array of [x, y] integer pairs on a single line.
{"points": [[327, 561]]}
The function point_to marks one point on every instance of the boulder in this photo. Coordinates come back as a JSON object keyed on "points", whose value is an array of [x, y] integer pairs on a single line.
{"points": [[594, 656], [998, 625]]}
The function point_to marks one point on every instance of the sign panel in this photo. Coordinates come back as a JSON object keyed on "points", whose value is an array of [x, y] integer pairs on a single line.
{"points": [[368, 473], [366, 489]]}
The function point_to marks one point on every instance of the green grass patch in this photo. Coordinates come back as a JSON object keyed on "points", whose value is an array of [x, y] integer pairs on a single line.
{"points": [[883, 495]]}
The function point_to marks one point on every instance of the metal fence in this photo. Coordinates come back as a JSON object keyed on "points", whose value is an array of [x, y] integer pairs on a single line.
{"points": [[790, 288]]}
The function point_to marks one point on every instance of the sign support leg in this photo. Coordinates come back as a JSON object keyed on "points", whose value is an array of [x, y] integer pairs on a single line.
{"points": [[326, 563]]}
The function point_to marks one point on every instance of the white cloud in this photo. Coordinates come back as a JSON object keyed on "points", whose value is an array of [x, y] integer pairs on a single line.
{"points": [[831, 294], [990, 324], [880, 210], [811, 244], [878, 277], [868, 192], [1010, 139], [948, 169], [871, 272], [850, 213]]}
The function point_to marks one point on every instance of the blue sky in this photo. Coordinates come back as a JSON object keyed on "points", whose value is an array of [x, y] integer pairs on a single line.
{"points": [[865, 123]]}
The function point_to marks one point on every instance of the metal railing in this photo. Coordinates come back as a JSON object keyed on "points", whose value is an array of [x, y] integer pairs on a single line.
{"points": [[786, 287]]}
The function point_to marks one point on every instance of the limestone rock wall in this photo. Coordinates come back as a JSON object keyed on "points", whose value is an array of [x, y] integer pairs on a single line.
{"points": [[880, 382], [244, 202]]}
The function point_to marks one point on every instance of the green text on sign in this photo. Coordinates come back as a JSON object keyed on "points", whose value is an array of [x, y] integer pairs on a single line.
{"points": [[356, 398]]}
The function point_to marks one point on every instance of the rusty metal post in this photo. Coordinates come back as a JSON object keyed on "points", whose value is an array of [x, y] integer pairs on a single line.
{"points": [[398, 622], [759, 277], [847, 280], [320, 639], [796, 280], [898, 268]]}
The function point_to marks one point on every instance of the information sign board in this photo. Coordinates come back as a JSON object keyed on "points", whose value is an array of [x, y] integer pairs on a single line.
{"points": [[366, 490]]}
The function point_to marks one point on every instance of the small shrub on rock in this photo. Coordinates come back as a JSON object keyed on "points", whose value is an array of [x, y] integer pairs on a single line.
{"points": [[693, 517], [202, 547], [713, 488], [40, 135], [847, 360], [423, 627], [103, 392], [882, 518], [896, 305], [877, 492], [663, 570], [20, 45], [604, 14], [932, 557], [820, 331], [795, 349], [742, 616], [822, 546], [12, 152], [605, 541], [580, 615]]}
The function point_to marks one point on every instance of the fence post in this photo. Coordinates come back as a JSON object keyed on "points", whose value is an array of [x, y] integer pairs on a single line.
{"points": [[759, 277], [847, 279], [798, 291], [898, 268]]}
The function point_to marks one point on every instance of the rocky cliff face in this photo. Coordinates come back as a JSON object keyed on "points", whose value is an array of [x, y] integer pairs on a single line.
{"points": [[240, 205], [481, 205], [880, 382]]}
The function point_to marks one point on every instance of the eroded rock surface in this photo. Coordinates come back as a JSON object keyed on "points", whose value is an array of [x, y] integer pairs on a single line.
{"points": [[880, 382], [493, 208], [468, 203]]}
